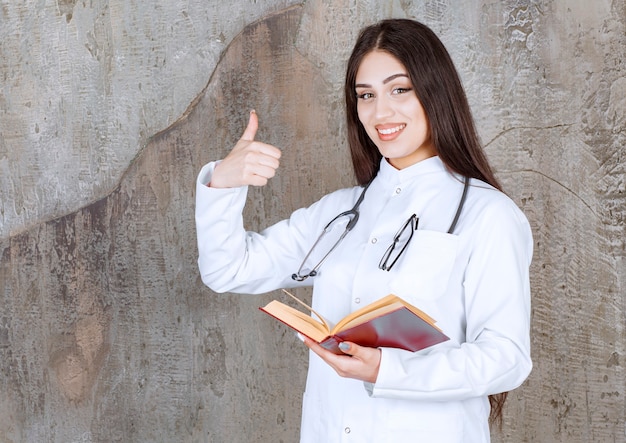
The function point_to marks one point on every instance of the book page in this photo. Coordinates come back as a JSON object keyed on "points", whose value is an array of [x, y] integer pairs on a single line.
{"points": [[380, 307], [322, 319], [364, 310], [297, 320], [348, 323]]}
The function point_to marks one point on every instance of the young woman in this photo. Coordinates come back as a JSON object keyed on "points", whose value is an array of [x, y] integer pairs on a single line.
{"points": [[432, 227]]}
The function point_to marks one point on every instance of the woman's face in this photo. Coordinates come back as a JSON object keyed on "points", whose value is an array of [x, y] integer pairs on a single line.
{"points": [[390, 111]]}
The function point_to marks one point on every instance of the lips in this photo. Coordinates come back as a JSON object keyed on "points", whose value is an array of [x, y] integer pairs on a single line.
{"points": [[387, 132]]}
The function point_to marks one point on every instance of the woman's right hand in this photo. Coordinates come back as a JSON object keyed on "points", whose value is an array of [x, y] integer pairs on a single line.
{"points": [[249, 163]]}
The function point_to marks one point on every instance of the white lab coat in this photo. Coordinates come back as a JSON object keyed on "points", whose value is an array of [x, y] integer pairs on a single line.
{"points": [[474, 282]]}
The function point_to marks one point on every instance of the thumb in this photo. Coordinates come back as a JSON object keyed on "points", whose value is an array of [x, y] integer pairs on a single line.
{"points": [[347, 348], [253, 125]]}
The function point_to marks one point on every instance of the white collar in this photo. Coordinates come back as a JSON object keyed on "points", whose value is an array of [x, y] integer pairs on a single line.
{"points": [[389, 174]]}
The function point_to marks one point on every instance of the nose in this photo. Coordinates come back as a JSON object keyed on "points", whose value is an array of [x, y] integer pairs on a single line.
{"points": [[383, 107]]}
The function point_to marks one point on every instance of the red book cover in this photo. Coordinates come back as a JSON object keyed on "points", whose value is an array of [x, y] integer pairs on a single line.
{"points": [[396, 329], [388, 322]]}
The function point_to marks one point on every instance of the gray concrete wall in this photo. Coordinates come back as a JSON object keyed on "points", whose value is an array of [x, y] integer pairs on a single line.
{"points": [[108, 109]]}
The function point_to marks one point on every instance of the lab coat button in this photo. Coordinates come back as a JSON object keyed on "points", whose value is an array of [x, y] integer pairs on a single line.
{"points": [[374, 240], [398, 190], [347, 430], [357, 300]]}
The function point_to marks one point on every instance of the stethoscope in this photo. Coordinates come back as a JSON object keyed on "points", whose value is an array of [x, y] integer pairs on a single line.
{"points": [[354, 218]]}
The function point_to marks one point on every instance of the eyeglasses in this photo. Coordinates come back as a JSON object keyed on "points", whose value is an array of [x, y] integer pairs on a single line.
{"points": [[400, 242]]}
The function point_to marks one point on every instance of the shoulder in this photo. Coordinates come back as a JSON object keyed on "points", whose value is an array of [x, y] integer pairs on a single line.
{"points": [[339, 199], [495, 232], [328, 206], [491, 211]]}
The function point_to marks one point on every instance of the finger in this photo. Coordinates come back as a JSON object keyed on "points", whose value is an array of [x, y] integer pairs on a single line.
{"points": [[253, 125], [259, 163], [346, 347], [329, 357], [325, 354], [257, 180], [362, 353], [269, 150], [269, 160], [259, 176]]}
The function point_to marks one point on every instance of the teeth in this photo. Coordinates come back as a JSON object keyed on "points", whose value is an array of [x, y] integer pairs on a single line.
{"points": [[391, 130]]}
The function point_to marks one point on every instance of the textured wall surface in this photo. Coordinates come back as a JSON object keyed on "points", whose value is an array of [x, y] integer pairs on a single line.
{"points": [[109, 108]]}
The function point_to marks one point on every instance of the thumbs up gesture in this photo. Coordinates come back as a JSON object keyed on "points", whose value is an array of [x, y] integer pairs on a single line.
{"points": [[249, 163]]}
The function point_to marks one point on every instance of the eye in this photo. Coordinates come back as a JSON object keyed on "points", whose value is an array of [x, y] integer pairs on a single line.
{"points": [[365, 96], [398, 91]]}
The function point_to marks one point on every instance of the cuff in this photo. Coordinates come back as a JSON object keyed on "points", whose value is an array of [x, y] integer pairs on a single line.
{"points": [[369, 388]]}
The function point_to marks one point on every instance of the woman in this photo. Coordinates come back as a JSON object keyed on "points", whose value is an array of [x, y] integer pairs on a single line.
{"points": [[462, 256]]}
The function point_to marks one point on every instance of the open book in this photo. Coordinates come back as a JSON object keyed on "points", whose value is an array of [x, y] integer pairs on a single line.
{"points": [[389, 322]]}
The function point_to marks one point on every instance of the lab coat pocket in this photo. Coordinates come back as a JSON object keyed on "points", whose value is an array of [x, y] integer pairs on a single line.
{"points": [[424, 271]]}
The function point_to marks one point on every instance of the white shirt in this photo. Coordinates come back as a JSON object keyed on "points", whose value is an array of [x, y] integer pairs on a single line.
{"points": [[474, 283]]}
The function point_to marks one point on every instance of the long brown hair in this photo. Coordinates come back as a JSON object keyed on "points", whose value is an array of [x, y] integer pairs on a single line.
{"points": [[439, 90]]}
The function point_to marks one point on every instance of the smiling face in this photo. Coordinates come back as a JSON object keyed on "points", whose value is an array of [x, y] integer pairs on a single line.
{"points": [[390, 111]]}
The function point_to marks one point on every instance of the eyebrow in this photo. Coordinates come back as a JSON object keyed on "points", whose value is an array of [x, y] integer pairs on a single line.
{"points": [[385, 81]]}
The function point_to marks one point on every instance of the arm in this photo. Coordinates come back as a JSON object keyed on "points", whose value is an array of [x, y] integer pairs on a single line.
{"points": [[229, 257], [495, 356]]}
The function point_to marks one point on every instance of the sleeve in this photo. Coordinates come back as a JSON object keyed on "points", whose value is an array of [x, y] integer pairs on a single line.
{"points": [[495, 356], [230, 259]]}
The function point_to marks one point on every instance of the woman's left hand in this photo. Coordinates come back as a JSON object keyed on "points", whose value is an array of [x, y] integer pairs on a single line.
{"points": [[360, 362]]}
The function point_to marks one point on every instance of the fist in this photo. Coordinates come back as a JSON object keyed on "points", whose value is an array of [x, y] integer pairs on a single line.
{"points": [[249, 163]]}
